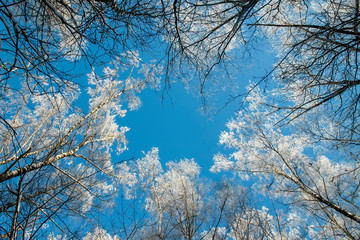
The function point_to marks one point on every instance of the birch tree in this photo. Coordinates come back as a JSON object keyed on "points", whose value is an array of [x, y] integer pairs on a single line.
{"points": [[308, 175], [173, 199], [46, 44], [57, 162], [315, 42], [39, 37], [317, 45], [177, 203]]}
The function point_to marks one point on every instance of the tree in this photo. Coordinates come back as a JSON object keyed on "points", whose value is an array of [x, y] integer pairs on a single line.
{"points": [[320, 42], [316, 43], [203, 41], [38, 35], [99, 234], [44, 43], [312, 103], [50, 38], [52, 155], [174, 200], [179, 204], [57, 162], [293, 168]]}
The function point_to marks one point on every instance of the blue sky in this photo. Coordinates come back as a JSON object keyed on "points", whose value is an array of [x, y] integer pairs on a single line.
{"points": [[178, 127]]}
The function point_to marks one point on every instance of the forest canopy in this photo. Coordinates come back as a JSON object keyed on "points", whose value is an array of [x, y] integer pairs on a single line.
{"points": [[71, 70]]}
